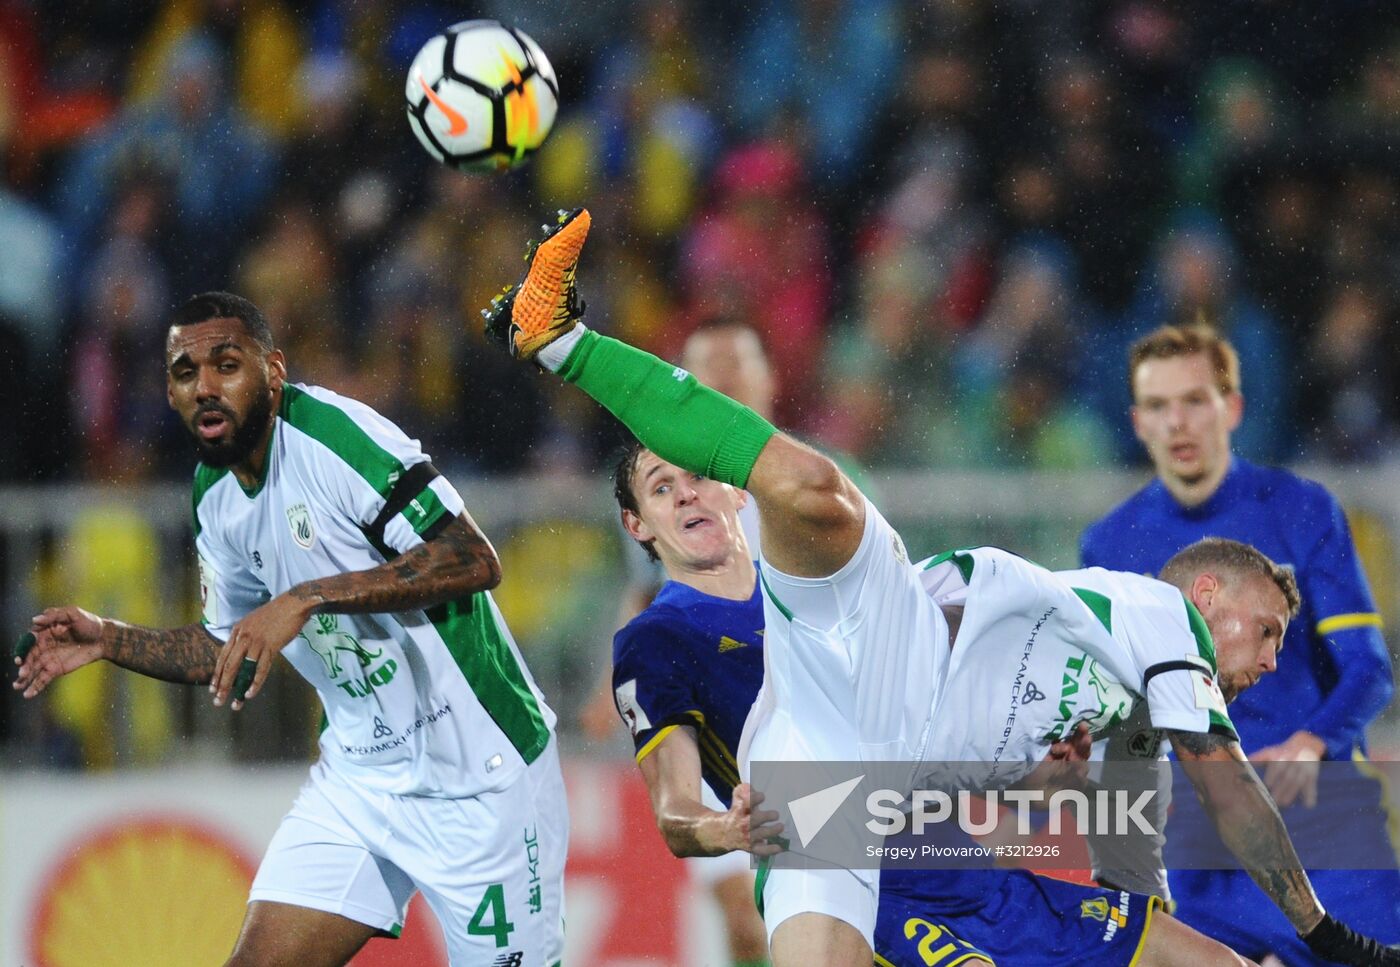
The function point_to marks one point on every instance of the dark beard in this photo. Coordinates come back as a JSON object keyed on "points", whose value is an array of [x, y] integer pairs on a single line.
{"points": [[244, 439]]}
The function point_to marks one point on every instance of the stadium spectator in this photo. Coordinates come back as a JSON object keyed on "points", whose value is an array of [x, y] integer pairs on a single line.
{"points": [[261, 38], [1349, 382], [1015, 373], [816, 69], [124, 292], [762, 254], [1195, 277], [219, 165]]}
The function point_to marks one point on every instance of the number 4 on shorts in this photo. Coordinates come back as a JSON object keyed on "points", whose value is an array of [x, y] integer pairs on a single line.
{"points": [[493, 904]]}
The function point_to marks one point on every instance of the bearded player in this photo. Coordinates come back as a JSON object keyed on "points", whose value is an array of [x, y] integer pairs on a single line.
{"points": [[325, 535]]}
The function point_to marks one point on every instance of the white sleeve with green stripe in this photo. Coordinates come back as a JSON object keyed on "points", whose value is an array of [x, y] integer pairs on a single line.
{"points": [[386, 482], [1182, 680]]}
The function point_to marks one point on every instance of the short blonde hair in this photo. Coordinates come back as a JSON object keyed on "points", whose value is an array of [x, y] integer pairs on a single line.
{"points": [[1235, 558], [1169, 342]]}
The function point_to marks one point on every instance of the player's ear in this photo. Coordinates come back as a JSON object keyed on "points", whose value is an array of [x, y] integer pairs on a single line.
{"points": [[741, 497], [276, 368], [636, 528], [1234, 411], [1203, 591]]}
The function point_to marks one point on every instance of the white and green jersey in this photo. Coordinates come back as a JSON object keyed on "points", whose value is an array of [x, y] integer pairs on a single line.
{"points": [[434, 702], [1040, 651]]}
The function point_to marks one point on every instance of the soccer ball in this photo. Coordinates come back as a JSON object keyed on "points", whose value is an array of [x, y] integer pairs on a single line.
{"points": [[481, 96]]}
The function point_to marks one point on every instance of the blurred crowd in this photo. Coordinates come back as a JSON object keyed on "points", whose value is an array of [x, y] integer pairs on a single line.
{"points": [[947, 218]]}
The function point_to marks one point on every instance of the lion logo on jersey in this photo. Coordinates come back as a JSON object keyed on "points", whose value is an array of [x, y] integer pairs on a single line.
{"points": [[328, 641]]}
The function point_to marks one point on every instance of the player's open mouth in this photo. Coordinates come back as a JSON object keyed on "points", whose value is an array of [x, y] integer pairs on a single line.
{"points": [[1184, 451], [211, 425], [694, 522]]}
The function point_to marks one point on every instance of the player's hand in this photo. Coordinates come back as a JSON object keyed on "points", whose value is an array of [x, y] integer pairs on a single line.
{"points": [[257, 638], [63, 639], [1293, 767], [762, 831], [1335, 941], [1076, 747], [1065, 766]]}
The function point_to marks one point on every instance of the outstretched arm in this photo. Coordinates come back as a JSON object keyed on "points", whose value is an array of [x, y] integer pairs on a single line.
{"points": [[66, 639], [1248, 822], [689, 827], [457, 562]]}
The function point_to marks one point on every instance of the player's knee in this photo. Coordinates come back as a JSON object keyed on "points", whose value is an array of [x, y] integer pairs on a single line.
{"points": [[811, 486], [811, 938]]}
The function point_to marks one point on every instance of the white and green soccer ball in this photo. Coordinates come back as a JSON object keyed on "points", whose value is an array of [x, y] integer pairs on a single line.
{"points": [[481, 96]]}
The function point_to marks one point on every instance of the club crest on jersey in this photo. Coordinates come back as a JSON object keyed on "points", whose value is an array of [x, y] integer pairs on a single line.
{"points": [[1114, 916], [300, 520]]}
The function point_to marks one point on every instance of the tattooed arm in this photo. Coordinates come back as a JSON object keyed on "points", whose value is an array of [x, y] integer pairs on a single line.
{"points": [[457, 562], [66, 639], [1248, 822]]}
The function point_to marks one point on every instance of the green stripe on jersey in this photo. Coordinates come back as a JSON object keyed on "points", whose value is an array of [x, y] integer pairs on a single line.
{"points": [[205, 477], [1205, 644], [962, 560], [423, 511], [1100, 605], [1219, 722], [333, 427], [782, 608], [468, 626]]}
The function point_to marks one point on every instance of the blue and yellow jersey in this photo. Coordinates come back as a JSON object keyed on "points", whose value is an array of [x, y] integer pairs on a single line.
{"points": [[1334, 673], [691, 659]]}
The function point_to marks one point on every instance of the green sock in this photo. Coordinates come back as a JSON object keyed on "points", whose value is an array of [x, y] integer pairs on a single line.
{"points": [[668, 410], [751, 963]]}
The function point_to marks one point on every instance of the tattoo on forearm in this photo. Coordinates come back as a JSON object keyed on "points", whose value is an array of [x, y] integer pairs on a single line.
{"points": [[1249, 823], [186, 655], [1201, 743], [457, 562], [1261, 842]]}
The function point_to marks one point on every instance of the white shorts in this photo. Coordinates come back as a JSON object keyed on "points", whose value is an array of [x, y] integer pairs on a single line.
{"points": [[853, 663], [851, 896], [491, 866]]}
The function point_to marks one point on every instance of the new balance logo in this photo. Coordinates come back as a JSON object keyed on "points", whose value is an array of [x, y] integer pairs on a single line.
{"points": [[513, 959], [679, 374]]}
